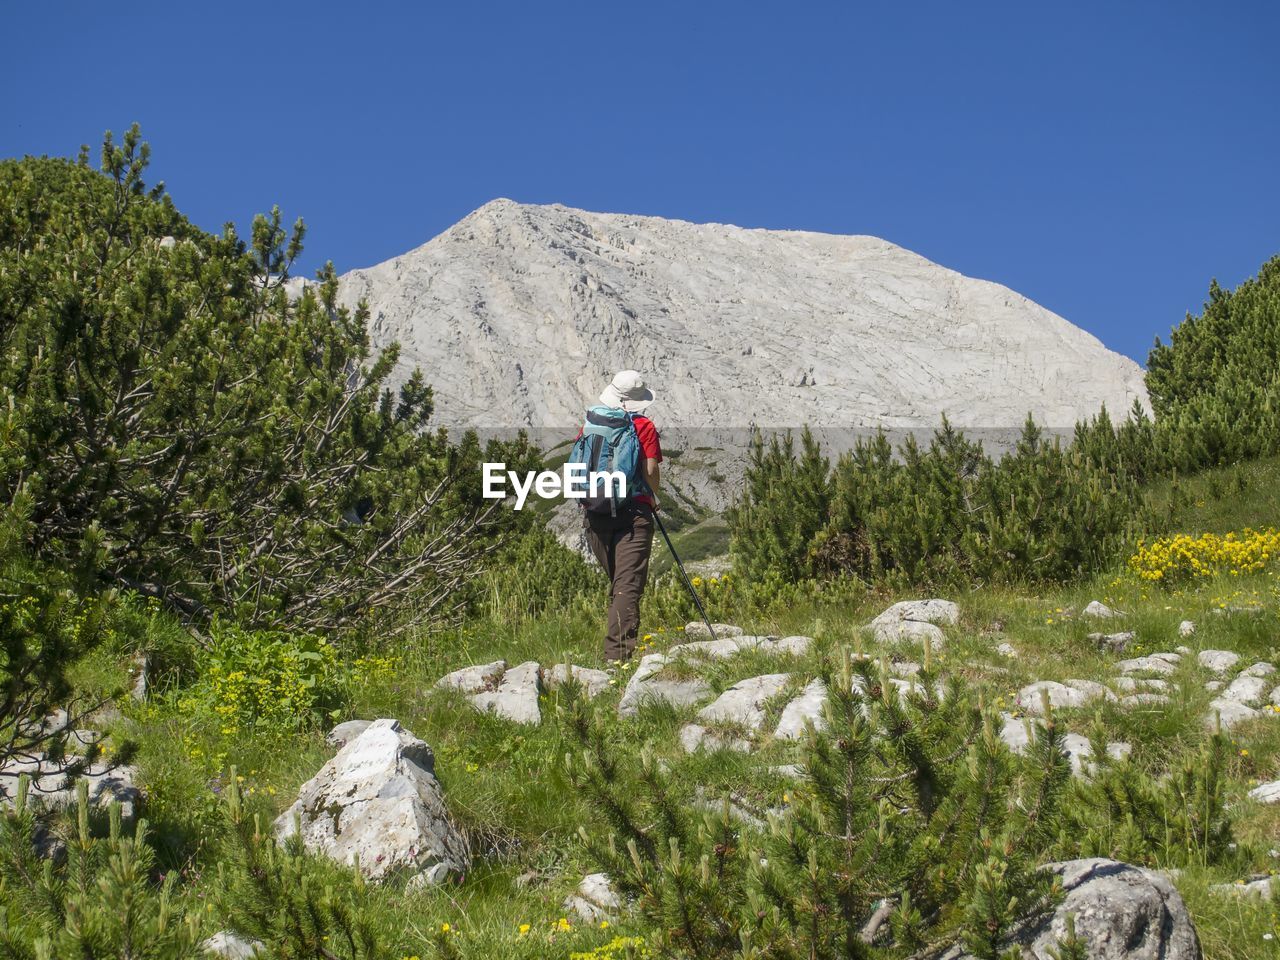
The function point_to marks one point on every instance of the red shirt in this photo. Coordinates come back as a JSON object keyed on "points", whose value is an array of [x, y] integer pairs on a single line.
{"points": [[650, 447]]}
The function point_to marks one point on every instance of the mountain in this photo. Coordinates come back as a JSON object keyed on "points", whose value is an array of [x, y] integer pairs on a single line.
{"points": [[519, 314]]}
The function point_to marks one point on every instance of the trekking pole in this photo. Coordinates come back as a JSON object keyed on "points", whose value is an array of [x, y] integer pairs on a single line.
{"points": [[687, 582]]}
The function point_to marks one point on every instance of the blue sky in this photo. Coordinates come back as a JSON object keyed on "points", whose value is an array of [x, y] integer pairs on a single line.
{"points": [[1105, 159]]}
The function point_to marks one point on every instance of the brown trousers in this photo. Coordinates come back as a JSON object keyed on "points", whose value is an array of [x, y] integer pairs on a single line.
{"points": [[622, 545]]}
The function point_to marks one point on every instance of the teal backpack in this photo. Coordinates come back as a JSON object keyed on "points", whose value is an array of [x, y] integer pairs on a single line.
{"points": [[609, 442]]}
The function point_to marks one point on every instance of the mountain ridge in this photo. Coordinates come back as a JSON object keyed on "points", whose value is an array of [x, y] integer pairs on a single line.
{"points": [[519, 313]]}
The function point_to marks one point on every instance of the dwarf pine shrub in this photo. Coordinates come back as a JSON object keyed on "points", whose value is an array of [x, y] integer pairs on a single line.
{"points": [[911, 801]]}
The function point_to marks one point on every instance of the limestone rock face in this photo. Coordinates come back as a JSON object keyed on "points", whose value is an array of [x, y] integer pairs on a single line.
{"points": [[522, 312], [378, 800], [1121, 912]]}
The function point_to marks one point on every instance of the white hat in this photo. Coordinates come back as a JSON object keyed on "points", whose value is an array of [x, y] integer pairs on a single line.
{"points": [[628, 392]]}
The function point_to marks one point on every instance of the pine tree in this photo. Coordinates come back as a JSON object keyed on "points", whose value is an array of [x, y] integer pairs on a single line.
{"points": [[177, 425]]}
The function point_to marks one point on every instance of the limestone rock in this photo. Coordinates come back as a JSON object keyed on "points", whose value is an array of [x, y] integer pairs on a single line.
{"points": [[1121, 912], [52, 790], [591, 682], [1099, 610], [345, 732], [1007, 650], [1219, 661], [648, 683], [1251, 888], [923, 611], [1150, 664], [516, 697], [1140, 684], [1266, 792], [233, 947], [916, 631], [1186, 628], [1114, 642], [742, 705], [476, 679], [378, 799], [719, 649], [807, 707], [1259, 669], [1073, 693], [594, 901], [1144, 700], [1228, 713], [1246, 689], [699, 629]]}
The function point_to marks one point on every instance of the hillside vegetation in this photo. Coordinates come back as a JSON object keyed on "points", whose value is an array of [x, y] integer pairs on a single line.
{"points": [[223, 536]]}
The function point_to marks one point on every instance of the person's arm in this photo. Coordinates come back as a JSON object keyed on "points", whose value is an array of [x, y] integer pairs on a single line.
{"points": [[651, 477]]}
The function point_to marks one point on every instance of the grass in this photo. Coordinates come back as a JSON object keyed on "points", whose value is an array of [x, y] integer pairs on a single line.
{"points": [[506, 783]]}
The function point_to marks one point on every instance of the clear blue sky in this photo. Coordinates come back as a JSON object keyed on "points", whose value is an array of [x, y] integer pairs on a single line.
{"points": [[1105, 159]]}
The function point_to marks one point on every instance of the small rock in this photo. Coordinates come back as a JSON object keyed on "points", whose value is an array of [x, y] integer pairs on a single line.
{"points": [[1007, 650], [1186, 628], [911, 630], [345, 732], [594, 901], [1228, 712], [591, 682], [231, 946], [475, 679], [1115, 642], [1266, 792], [699, 629], [139, 669], [1253, 888], [1099, 610], [1140, 684], [922, 611], [1247, 690], [1219, 661], [1143, 699], [648, 684], [1121, 912], [808, 707], [1213, 686], [1260, 669], [1151, 664], [741, 705], [718, 649], [1074, 693], [797, 646], [517, 695]]}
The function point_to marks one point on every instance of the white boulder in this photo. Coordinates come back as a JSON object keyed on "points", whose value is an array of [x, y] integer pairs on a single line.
{"points": [[378, 801]]}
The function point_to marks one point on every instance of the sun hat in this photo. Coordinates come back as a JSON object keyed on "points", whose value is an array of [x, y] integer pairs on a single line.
{"points": [[627, 391]]}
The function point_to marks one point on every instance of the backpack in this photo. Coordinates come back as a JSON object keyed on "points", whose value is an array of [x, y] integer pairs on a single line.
{"points": [[609, 442]]}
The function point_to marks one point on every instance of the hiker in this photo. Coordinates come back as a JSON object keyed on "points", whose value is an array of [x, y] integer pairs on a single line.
{"points": [[620, 529]]}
